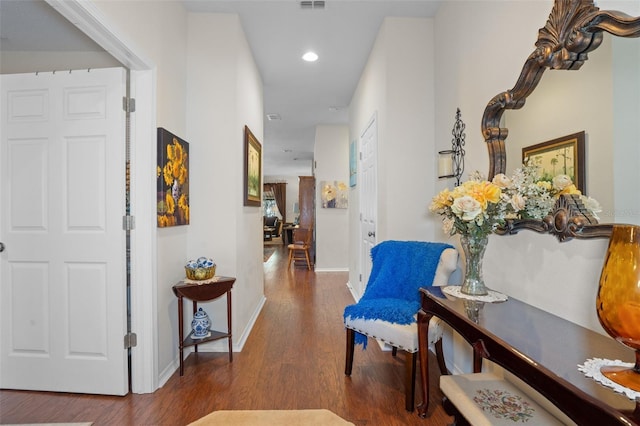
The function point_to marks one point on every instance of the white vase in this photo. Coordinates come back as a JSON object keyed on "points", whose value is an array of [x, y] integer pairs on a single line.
{"points": [[200, 324]]}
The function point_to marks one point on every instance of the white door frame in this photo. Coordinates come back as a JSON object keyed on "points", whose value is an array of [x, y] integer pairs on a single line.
{"points": [[144, 357]]}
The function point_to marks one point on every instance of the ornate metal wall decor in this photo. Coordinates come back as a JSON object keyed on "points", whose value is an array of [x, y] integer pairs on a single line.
{"points": [[454, 157]]}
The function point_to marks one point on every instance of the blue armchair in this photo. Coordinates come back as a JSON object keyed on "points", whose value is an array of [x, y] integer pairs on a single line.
{"points": [[387, 311]]}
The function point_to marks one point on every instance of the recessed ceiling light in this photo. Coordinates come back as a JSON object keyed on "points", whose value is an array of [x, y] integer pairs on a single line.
{"points": [[310, 57]]}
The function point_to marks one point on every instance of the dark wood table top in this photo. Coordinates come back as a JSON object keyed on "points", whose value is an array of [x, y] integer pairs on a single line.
{"points": [[206, 291], [545, 348]]}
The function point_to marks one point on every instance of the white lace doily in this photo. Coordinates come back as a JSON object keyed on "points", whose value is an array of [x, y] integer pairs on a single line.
{"points": [[591, 368], [199, 282], [493, 296]]}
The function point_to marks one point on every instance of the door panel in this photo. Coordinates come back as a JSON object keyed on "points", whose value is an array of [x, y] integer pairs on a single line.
{"points": [[368, 198], [63, 298]]}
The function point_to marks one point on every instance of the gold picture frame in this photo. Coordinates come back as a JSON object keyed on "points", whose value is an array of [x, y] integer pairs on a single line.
{"points": [[252, 169], [563, 155]]}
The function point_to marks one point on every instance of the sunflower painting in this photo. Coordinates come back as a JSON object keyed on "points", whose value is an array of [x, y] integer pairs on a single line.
{"points": [[172, 175]]}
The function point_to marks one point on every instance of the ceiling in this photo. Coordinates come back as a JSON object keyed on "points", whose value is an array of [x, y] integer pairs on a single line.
{"points": [[303, 95]]}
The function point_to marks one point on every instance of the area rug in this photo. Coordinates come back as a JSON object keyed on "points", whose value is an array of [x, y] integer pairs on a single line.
{"points": [[51, 424], [272, 417], [268, 251], [277, 241]]}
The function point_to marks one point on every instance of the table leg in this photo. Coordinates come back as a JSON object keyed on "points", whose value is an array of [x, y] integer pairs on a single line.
{"points": [[229, 325], [423, 351], [195, 309], [180, 334]]}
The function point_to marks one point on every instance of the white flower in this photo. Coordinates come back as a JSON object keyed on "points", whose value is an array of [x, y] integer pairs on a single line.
{"points": [[501, 180], [518, 202], [593, 205], [560, 182], [467, 208]]}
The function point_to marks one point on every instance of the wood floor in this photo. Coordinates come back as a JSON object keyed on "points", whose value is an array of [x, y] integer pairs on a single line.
{"points": [[293, 359]]}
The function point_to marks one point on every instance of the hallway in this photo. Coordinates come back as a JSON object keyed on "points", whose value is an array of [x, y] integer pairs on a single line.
{"points": [[293, 359]]}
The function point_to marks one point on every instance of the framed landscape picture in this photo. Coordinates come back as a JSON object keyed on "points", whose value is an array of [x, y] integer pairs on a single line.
{"points": [[252, 169], [563, 155]]}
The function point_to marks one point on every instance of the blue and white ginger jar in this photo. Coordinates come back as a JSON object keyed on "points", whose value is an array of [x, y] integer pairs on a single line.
{"points": [[200, 324]]}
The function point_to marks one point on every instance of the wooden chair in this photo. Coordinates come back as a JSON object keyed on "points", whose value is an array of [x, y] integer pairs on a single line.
{"points": [[299, 248], [388, 308]]}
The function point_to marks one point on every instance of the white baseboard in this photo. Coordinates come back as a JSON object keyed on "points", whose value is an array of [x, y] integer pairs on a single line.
{"points": [[332, 269]]}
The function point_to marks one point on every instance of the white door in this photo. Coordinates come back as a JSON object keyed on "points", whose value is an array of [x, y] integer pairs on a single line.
{"points": [[62, 194], [368, 198]]}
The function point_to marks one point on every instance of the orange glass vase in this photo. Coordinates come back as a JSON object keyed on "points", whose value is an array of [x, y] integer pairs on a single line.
{"points": [[618, 300]]}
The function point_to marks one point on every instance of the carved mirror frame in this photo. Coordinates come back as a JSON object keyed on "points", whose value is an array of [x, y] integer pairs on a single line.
{"points": [[574, 28]]}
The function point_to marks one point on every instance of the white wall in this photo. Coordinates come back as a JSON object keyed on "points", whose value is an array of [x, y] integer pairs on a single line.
{"points": [[224, 90], [397, 85], [145, 24], [331, 154], [208, 88]]}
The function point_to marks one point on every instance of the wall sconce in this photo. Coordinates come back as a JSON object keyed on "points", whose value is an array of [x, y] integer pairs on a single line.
{"points": [[451, 161]]}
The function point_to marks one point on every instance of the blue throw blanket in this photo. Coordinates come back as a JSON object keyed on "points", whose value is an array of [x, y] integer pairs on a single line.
{"points": [[400, 269]]}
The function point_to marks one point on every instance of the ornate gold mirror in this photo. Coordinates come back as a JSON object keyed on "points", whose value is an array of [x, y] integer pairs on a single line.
{"points": [[573, 30]]}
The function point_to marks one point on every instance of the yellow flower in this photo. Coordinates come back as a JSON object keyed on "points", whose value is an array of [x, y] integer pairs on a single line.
{"points": [[569, 189], [182, 202], [168, 176], [183, 175], [170, 204], [441, 201], [484, 192], [329, 192], [546, 185]]}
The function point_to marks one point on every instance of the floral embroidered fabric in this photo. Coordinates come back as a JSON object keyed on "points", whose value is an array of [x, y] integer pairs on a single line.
{"points": [[504, 405]]}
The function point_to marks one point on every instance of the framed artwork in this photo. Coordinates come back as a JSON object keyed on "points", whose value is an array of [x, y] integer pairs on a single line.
{"points": [[334, 195], [563, 155], [172, 175], [252, 169], [353, 163]]}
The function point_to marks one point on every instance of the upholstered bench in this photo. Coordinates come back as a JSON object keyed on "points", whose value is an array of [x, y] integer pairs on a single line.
{"points": [[487, 399]]}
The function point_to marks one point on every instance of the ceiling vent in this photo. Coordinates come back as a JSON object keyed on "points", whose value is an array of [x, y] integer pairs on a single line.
{"points": [[316, 4], [272, 117]]}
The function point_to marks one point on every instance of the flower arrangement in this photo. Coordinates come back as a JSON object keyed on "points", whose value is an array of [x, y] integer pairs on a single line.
{"points": [[478, 207]]}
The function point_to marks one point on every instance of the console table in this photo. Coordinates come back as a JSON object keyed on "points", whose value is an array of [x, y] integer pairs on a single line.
{"points": [[540, 348], [203, 293]]}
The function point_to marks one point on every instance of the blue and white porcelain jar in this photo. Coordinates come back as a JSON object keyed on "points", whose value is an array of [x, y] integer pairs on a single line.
{"points": [[200, 324]]}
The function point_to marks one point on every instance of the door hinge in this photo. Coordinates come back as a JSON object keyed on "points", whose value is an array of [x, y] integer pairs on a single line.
{"points": [[130, 340], [360, 277], [128, 104], [128, 223]]}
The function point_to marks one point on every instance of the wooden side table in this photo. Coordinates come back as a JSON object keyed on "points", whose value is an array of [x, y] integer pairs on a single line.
{"points": [[203, 293]]}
